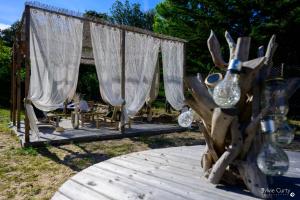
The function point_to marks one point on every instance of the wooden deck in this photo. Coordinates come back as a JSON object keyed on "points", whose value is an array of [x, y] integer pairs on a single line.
{"points": [[171, 173], [48, 135]]}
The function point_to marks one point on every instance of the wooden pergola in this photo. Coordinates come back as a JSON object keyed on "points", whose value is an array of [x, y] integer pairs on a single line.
{"points": [[21, 55]]}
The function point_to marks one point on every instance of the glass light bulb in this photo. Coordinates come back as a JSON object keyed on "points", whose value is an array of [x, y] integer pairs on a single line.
{"points": [[271, 160], [185, 119], [283, 134], [227, 93]]}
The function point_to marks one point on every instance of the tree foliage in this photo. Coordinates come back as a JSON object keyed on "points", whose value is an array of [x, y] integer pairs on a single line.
{"points": [[126, 14], [193, 20], [8, 35], [99, 15], [131, 15], [5, 58]]}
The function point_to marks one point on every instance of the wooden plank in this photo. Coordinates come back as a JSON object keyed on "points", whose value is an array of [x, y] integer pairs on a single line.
{"points": [[175, 158], [125, 187], [201, 188], [153, 185], [76, 190], [169, 176], [60, 196], [191, 167]]}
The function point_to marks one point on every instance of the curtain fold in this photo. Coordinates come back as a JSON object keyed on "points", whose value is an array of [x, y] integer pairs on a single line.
{"points": [[55, 53], [141, 54], [106, 42], [172, 57], [154, 86]]}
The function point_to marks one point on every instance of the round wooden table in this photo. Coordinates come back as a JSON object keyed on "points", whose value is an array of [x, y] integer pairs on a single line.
{"points": [[170, 173]]}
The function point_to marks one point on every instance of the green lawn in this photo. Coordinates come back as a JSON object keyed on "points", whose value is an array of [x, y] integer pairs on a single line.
{"points": [[36, 173]]}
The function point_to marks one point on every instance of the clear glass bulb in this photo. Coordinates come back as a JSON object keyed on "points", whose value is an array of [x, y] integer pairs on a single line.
{"points": [[227, 93], [185, 119], [271, 160], [283, 134]]}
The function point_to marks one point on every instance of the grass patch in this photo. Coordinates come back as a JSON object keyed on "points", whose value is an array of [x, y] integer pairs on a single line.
{"points": [[26, 151], [4, 120], [119, 150]]}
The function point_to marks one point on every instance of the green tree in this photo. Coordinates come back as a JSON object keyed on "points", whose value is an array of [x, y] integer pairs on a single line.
{"points": [[99, 15], [131, 15], [8, 35], [5, 58], [193, 20]]}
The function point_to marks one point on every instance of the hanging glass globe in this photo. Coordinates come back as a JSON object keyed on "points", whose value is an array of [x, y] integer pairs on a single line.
{"points": [[271, 160], [227, 93], [185, 119], [283, 134]]}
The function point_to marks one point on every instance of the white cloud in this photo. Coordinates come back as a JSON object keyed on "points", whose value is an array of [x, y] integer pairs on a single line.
{"points": [[4, 26]]}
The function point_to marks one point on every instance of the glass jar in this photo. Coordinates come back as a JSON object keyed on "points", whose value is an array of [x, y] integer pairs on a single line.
{"points": [[274, 96]]}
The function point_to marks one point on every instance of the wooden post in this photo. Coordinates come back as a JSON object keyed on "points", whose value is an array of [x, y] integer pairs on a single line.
{"points": [[27, 64], [19, 58], [184, 60], [13, 86], [184, 66], [122, 122]]}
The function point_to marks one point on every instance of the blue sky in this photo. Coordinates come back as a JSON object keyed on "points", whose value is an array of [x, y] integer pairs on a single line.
{"points": [[11, 10]]}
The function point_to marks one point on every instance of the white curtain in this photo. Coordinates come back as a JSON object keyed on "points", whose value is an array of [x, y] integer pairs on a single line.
{"points": [[141, 54], [172, 57], [154, 86], [106, 42], [55, 52]]}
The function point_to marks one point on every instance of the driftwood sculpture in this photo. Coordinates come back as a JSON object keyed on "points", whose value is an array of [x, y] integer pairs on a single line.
{"points": [[232, 137]]}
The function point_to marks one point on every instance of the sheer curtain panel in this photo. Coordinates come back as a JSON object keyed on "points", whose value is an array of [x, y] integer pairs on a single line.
{"points": [[106, 42], [55, 53], [141, 54], [172, 57]]}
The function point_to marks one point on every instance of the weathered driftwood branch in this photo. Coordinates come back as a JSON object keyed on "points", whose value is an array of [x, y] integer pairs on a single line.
{"points": [[204, 102], [215, 50], [220, 123], [231, 45], [253, 178], [210, 145], [229, 155], [242, 48]]}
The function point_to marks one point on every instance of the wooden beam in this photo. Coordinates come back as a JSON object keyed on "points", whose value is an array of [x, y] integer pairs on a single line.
{"points": [[103, 22], [27, 64], [122, 122]]}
